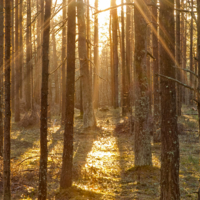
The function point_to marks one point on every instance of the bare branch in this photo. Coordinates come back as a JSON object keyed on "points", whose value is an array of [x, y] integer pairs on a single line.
{"points": [[113, 7], [187, 70], [180, 83], [58, 67], [148, 53]]}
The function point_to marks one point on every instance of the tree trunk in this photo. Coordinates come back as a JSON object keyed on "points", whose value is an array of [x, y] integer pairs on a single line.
{"points": [[198, 56], [96, 59], [123, 63], [39, 46], [191, 57], [12, 60], [64, 63], [88, 111], [42, 191], [21, 47], [111, 63], [1, 72], [184, 90], [7, 117], [55, 63], [17, 67], [115, 52], [66, 174], [128, 57], [156, 135], [169, 135], [178, 57], [28, 58], [142, 135]]}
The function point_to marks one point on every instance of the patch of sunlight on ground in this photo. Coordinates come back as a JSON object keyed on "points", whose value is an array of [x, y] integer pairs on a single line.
{"points": [[15, 134], [102, 162], [156, 161]]}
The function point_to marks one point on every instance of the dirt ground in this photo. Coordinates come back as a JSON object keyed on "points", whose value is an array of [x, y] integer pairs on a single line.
{"points": [[103, 161]]}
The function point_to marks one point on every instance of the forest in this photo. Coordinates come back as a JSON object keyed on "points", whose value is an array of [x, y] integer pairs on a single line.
{"points": [[99, 99]]}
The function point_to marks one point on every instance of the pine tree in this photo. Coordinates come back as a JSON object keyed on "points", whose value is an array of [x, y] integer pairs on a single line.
{"points": [[42, 191], [169, 135]]}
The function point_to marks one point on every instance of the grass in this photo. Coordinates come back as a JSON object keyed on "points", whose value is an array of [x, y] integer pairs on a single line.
{"points": [[103, 161]]}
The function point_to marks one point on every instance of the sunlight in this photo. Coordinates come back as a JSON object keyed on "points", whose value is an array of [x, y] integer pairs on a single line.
{"points": [[102, 162]]}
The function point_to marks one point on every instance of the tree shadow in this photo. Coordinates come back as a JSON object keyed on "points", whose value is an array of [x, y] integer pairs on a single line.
{"points": [[78, 193], [136, 183]]}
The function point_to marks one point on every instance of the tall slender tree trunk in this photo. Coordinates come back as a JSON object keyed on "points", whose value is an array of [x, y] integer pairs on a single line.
{"points": [[169, 135], [64, 63], [178, 57], [88, 111], [42, 191], [128, 57], [123, 63], [7, 117], [142, 135], [28, 58], [21, 47], [1, 73], [111, 62], [66, 174], [96, 59], [115, 52], [17, 67], [12, 59], [198, 56], [156, 135], [191, 56], [55, 63], [184, 90]]}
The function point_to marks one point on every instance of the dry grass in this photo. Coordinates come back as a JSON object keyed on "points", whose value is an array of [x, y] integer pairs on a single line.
{"points": [[103, 161]]}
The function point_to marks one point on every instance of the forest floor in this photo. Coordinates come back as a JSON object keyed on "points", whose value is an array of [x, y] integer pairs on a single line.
{"points": [[103, 161]]}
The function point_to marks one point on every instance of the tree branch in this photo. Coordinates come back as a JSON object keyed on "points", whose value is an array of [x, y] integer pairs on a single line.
{"points": [[187, 70], [148, 53], [180, 83]]}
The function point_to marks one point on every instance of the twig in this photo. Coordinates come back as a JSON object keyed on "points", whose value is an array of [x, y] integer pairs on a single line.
{"points": [[100, 77], [27, 159], [78, 78], [148, 53]]}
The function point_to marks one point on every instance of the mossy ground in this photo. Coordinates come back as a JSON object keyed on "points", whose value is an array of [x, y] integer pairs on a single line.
{"points": [[103, 161]]}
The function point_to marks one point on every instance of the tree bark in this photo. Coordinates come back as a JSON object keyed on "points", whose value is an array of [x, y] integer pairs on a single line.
{"points": [[198, 56], [191, 57], [64, 63], [115, 52], [169, 135], [7, 117], [42, 191], [17, 67], [142, 135], [178, 57], [66, 174], [88, 111], [55, 63], [128, 57], [21, 47], [123, 63], [28, 58], [1, 72], [156, 135], [12, 60], [96, 59], [184, 91], [111, 63]]}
